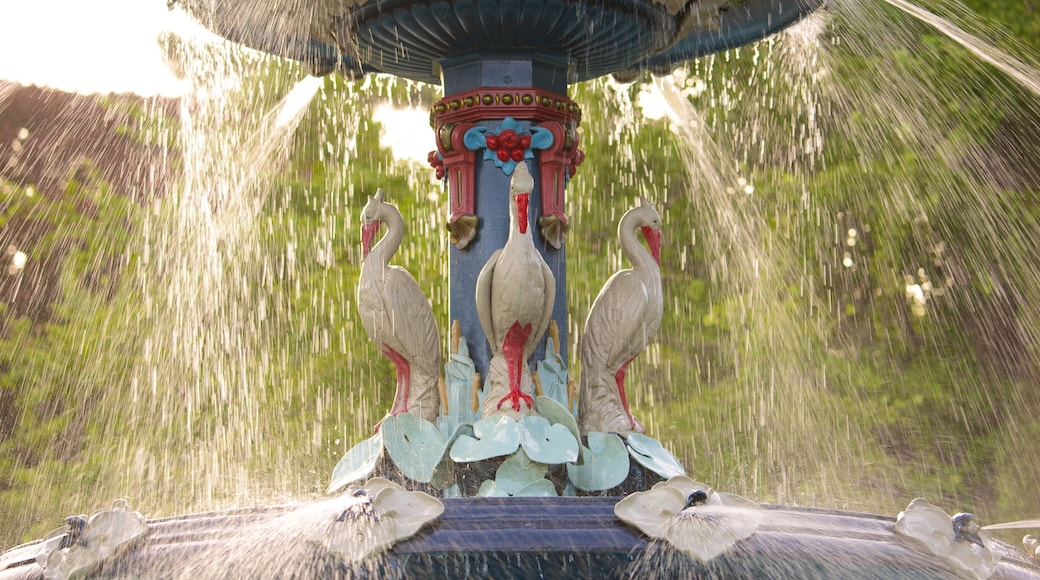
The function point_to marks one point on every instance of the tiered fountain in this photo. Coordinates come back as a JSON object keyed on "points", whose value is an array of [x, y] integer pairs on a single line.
{"points": [[490, 468]]}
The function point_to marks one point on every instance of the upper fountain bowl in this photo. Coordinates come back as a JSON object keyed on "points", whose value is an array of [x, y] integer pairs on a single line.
{"points": [[413, 39]]}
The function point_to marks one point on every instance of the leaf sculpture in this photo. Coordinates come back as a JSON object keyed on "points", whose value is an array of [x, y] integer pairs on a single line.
{"points": [[416, 446], [87, 542], [956, 538], [691, 517], [552, 371], [358, 463], [494, 436], [557, 414], [378, 515], [652, 455], [547, 443], [500, 435], [605, 463], [519, 476]]}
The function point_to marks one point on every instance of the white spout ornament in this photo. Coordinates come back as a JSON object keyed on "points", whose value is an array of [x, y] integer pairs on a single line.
{"points": [[515, 294], [378, 514], [396, 314], [621, 323], [959, 538], [692, 517], [87, 542]]}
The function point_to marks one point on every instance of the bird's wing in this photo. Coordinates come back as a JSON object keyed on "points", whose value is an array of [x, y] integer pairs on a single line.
{"points": [[414, 329], [547, 309], [613, 331], [483, 298]]}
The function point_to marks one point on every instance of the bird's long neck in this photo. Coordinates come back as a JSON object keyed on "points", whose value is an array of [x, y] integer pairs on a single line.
{"points": [[516, 217], [636, 253], [387, 246]]}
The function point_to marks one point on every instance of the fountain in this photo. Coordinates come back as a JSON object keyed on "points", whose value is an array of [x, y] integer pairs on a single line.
{"points": [[507, 131]]}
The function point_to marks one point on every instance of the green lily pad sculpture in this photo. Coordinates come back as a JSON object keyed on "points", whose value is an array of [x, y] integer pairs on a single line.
{"points": [[547, 443], [500, 435], [557, 414], [87, 542], [417, 447], [649, 453], [378, 515], [358, 463], [605, 463], [493, 436], [553, 373], [459, 373], [691, 516], [519, 476]]}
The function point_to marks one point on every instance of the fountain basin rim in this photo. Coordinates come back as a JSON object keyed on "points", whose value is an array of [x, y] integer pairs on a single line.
{"points": [[569, 525]]}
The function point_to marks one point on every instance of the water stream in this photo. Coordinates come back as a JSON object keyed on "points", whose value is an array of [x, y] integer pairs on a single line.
{"points": [[852, 297]]}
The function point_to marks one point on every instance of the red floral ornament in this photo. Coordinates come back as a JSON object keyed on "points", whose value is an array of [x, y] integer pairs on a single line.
{"points": [[437, 162], [577, 158], [508, 145]]}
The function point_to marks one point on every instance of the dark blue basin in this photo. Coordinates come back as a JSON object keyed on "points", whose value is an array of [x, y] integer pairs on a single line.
{"points": [[410, 39], [523, 538]]}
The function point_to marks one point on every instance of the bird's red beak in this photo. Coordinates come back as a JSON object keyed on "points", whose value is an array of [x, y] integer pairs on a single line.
{"points": [[368, 235], [653, 239], [522, 199]]}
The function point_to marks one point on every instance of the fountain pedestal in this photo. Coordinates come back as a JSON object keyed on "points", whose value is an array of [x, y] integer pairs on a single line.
{"points": [[498, 112]]}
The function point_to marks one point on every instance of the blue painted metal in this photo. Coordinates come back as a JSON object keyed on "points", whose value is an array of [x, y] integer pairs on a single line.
{"points": [[492, 202], [413, 39]]}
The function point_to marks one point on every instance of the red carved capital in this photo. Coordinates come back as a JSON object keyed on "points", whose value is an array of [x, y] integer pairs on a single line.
{"points": [[498, 103], [558, 164], [459, 169]]}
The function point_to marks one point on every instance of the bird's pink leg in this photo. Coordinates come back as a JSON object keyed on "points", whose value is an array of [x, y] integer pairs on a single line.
{"points": [[619, 378], [404, 380], [513, 350]]}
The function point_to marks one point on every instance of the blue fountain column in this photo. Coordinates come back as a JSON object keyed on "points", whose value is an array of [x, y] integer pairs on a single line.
{"points": [[489, 100]]}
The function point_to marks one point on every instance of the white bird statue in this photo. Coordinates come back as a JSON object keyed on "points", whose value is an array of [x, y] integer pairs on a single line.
{"points": [[515, 295], [622, 321], [396, 314]]}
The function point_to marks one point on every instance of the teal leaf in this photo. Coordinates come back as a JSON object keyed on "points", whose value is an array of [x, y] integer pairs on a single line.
{"points": [[416, 445], [649, 453], [517, 472], [357, 464], [474, 138], [488, 488], [547, 443], [558, 414], [495, 436], [553, 374], [540, 488], [444, 473], [606, 463], [541, 138]]}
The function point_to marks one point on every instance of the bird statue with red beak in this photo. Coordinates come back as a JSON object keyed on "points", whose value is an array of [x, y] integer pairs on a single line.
{"points": [[515, 294], [396, 314], [622, 321]]}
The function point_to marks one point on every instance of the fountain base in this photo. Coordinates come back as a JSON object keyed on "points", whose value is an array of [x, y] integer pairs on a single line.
{"points": [[519, 537]]}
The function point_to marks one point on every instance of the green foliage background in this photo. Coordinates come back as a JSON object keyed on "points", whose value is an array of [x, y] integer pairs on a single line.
{"points": [[778, 373]]}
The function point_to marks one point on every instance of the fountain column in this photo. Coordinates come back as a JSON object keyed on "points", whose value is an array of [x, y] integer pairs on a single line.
{"points": [[499, 111]]}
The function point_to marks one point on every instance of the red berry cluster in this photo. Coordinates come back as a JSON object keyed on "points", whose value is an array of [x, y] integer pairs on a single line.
{"points": [[437, 163], [508, 145], [577, 158]]}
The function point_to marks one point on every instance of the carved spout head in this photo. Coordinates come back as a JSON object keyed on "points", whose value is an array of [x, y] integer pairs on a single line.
{"points": [[650, 227], [370, 222], [520, 189]]}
